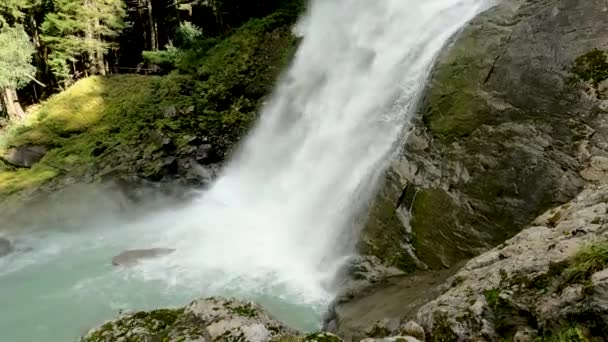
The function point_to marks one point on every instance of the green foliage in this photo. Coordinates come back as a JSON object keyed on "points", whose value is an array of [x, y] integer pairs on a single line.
{"points": [[80, 27], [492, 297], [244, 310], [16, 180], [591, 259], [131, 124], [566, 333], [592, 67], [13, 11], [16, 52], [190, 45]]}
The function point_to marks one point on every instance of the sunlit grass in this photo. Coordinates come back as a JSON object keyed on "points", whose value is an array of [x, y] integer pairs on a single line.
{"points": [[11, 181]]}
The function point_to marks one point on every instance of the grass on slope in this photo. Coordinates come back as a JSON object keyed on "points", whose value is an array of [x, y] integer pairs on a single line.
{"points": [[128, 124]]}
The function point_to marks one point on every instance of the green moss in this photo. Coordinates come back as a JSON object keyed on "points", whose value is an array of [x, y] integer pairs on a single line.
{"points": [[592, 67], [132, 124], [492, 297], [554, 220], [442, 332], [565, 333], [247, 310], [166, 317], [435, 222], [454, 106], [22, 179], [590, 259], [383, 235]]}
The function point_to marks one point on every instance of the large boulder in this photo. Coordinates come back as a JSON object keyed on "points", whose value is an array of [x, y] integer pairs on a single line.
{"points": [[204, 320], [497, 139]]}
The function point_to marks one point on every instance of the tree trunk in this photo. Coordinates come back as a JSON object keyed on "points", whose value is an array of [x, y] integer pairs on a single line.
{"points": [[10, 104], [153, 28]]}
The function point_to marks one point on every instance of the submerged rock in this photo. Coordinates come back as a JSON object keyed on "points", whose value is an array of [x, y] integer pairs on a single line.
{"points": [[211, 319], [5, 247], [132, 257]]}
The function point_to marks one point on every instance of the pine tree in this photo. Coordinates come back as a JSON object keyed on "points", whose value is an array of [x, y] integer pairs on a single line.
{"points": [[13, 11], [16, 69], [79, 33]]}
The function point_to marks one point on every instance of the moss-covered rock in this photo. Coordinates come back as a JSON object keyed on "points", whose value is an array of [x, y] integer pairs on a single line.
{"points": [[137, 129], [498, 135], [548, 282], [211, 319]]}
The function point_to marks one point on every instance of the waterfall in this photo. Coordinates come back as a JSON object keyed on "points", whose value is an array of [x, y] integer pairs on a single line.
{"points": [[278, 215], [281, 219]]}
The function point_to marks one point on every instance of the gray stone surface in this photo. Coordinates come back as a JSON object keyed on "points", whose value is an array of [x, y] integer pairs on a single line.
{"points": [[5, 247], [204, 320], [25, 156], [498, 136], [132, 257]]}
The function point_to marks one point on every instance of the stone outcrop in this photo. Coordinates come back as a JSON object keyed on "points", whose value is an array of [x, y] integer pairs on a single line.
{"points": [[25, 156], [218, 319], [550, 280], [513, 123], [547, 283], [497, 139], [132, 257], [205, 320]]}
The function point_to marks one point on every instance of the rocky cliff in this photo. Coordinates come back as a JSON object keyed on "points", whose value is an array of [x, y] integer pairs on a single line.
{"points": [[513, 123], [498, 135]]}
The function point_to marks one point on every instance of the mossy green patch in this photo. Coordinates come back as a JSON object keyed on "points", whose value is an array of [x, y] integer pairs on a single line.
{"points": [[564, 333], [246, 310], [592, 67], [454, 105], [492, 297], [442, 331], [22, 179], [138, 125], [435, 221], [384, 236], [586, 262]]}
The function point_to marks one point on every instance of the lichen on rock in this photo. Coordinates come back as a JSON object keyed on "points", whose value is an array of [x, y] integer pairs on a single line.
{"points": [[210, 319]]}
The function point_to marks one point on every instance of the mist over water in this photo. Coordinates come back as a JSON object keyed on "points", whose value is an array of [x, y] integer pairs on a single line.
{"points": [[280, 211], [280, 221]]}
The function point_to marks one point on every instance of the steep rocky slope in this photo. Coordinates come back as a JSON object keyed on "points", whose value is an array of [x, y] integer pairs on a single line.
{"points": [[497, 137], [513, 123]]}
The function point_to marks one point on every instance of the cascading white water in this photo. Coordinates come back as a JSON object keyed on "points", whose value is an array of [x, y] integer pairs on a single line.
{"points": [[275, 227], [276, 216]]}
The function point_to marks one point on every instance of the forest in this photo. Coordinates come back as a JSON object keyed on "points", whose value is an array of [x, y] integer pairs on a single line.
{"points": [[47, 45]]}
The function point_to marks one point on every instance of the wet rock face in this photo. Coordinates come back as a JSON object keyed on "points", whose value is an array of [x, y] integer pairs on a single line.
{"points": [[132, 257], [549, 280], [499, 137]]}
